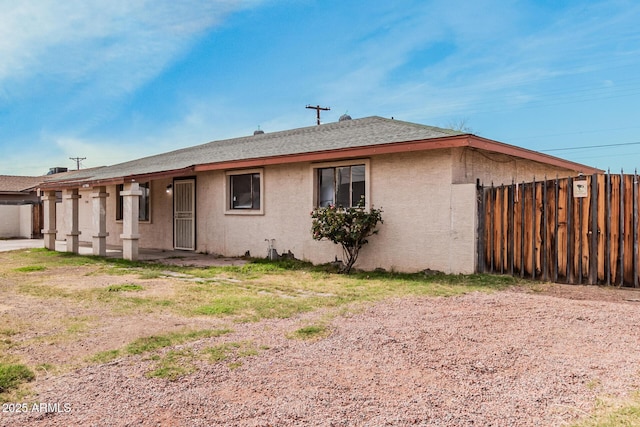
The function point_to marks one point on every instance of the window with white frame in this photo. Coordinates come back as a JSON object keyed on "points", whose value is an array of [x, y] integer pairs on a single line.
{"points": [[244, 191], [143, 202], [342, 185]]}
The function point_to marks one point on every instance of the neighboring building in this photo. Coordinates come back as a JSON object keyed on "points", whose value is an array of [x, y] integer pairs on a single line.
{"points": [[228, 197], [20, 216]]}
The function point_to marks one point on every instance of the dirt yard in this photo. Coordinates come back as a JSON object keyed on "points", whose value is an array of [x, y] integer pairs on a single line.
{"points": [[519, 357]]}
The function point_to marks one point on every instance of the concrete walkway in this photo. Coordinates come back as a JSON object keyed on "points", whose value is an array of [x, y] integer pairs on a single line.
{"points": [[182, 258], [15, 244]]}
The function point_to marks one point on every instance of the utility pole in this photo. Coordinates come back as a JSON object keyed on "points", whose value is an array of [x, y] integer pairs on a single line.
{"points": [[77, 160], [318, 108]]}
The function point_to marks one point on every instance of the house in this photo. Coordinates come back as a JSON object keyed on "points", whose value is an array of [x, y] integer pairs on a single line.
{"points": [[20, 213], [239, 195]]}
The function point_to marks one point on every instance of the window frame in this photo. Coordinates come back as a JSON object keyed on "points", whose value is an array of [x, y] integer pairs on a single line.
{"points": [[228, 192], [315, 170], [146, 199]]}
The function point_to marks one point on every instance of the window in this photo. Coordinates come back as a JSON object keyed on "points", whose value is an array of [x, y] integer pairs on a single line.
{"points": [[341, 185], [244, 191], [143, 202]]}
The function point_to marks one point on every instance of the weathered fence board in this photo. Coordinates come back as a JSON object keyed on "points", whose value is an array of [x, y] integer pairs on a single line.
{"points": [[545, 230]]}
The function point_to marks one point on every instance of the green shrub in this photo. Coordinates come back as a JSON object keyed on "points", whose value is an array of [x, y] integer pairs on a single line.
{"points": [[348, 227], [11, 376]]}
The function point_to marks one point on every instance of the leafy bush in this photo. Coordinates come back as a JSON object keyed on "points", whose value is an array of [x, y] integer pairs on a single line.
{"points": [[348, 227]]}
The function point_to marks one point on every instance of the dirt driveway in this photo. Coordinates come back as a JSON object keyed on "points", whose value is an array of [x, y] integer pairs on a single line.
{"points": [[511, 358]]}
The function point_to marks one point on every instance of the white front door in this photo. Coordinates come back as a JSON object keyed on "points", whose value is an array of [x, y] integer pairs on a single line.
{"points": [[184, 224]]}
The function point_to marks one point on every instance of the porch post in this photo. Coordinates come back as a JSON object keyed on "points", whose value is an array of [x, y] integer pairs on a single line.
{"points": [[49, 231], [71, 226], [130, 212], [99, 218]]}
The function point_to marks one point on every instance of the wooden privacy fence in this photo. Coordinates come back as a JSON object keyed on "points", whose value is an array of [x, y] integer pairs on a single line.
{"points": [[580, 230]]}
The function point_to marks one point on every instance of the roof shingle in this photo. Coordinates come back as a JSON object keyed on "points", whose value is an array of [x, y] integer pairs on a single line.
{"points": [[349, 133]]}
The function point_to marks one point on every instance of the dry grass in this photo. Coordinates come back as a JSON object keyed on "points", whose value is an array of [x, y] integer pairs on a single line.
{"points": [[63, 311]]}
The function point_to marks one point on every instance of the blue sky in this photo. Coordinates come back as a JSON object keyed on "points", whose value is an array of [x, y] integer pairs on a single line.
{"points": [[114, 80]]}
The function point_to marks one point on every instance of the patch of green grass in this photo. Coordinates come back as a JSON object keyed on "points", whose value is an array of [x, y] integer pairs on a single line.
{"points": [[104, 356], [43, 291], [178, 363], [78, 325], [311, 332], [12, 375], [30, 268], [230, 350], [256, 290], [173, 365], [147, 344], [269, 290], [150, 274], [614, 414], [126, 287], [220, 352]]}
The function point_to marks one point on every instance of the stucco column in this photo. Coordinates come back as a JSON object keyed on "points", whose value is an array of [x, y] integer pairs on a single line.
{"points": [[99, 219], [49, 231], [71, 224], [130, 211]]}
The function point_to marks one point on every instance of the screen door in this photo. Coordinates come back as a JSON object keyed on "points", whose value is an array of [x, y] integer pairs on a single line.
{"points": [[184, 224]]}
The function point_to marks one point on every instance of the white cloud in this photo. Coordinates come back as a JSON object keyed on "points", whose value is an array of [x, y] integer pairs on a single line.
{"points": [[123, 42], [497, 63]]}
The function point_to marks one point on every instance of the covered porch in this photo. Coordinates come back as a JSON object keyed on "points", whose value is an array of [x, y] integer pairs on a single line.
{"points": [[71, 220]]}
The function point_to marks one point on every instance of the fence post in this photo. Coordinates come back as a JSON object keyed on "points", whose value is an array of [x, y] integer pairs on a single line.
{"points": [[555, 236], [595, 232], [621, 237], [510, 230], [500, 190], [543, 232], [492, 228], [635, 229], [533, 229], [481, 227], [569, 230], [522, 216], [607, 237]]}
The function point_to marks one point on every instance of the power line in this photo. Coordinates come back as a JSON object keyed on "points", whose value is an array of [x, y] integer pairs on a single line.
{"points": [[592, 146]]}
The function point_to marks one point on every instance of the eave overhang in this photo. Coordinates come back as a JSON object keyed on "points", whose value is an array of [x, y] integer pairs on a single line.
{"points": [[467, 140]]}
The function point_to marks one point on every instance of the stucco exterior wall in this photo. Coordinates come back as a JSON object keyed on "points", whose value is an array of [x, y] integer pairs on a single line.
{"points": [[26, 221], [16, 221], [413, 189], [428, 200], [286, 202], [60, 235], [155, 233], [425, 218], [470, 164], [9, 221]]}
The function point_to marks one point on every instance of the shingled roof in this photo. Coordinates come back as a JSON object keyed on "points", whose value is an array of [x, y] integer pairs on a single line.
{"points": [[10, 184], [339, 136], [350, 133]]}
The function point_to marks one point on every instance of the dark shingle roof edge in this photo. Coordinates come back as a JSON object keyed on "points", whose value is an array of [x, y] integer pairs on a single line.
{"points": [[349, 134], [368, 131]]}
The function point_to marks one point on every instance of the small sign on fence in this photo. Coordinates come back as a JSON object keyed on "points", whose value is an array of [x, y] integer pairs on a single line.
{"points": [[580, 188]]}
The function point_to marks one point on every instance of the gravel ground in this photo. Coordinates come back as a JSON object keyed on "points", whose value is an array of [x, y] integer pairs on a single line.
{"points": [[510, 358]]}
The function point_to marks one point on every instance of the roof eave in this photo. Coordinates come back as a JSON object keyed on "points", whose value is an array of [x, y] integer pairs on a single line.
{"points": [[464, 140], [511, 150]]}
